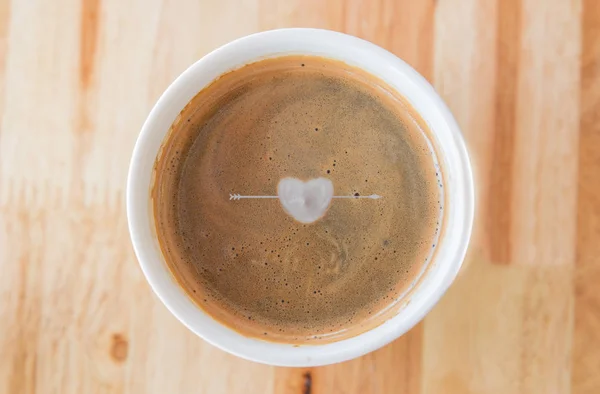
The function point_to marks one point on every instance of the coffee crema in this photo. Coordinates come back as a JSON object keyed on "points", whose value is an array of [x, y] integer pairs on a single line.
{"points": [[248, 263]]}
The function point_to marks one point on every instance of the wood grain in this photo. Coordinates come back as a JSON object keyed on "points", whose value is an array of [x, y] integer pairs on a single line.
{"points": [[77, 79]]}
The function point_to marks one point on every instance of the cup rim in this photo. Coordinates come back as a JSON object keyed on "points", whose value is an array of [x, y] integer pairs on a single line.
{"points": [[225, 338]]}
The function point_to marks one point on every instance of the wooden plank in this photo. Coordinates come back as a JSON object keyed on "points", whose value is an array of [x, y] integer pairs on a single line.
{"points": [[546, 141], [465, 76], [586, 344], [498, 202]]}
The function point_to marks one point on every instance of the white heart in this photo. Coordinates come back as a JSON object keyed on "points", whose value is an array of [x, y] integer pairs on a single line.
{"points": [[305, 201]]}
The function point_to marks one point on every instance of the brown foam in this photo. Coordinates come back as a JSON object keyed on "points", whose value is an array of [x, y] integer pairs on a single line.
{"points": [[249, 264]]}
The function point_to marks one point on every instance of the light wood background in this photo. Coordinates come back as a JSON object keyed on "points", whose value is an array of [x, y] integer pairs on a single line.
{"points": [[77, 79]]}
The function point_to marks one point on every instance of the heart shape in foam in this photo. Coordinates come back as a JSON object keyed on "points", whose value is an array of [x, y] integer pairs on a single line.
{"points": [[305, 201]]}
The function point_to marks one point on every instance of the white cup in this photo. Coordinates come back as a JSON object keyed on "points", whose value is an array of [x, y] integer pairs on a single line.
{"points": [[452, 154]]}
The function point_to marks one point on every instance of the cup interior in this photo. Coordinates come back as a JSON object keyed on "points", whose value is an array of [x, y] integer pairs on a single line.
{"points": [[418, 92]]}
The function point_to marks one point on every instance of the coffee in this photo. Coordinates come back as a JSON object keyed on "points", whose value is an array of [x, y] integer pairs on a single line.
{"points": [[240, 255]]}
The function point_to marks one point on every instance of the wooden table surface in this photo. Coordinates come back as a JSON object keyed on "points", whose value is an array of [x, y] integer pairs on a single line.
{"points": [[77, 79]]}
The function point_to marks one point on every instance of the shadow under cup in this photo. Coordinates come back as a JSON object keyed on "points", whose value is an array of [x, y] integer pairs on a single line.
{"points": [[458, 212]]}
